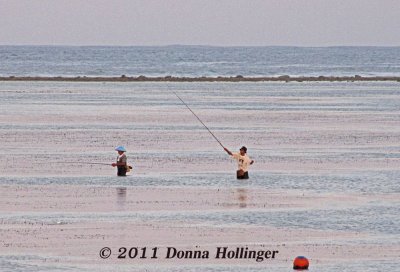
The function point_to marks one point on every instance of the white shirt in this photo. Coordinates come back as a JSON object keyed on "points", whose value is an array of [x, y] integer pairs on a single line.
{"points": [[243, 161]]}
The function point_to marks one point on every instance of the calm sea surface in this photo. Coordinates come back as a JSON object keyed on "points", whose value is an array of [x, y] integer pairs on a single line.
{"points": [[198, 61]]}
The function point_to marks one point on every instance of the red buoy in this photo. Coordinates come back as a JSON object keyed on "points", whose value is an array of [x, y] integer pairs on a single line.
{"points": [[300, 263]]}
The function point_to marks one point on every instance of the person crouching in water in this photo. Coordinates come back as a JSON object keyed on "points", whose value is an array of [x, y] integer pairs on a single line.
{"points": [[121, 163], [243, 162]]}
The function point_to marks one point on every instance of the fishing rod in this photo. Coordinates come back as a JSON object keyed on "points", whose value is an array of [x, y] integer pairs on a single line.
{"points": [[200, 120], [99, 163]]}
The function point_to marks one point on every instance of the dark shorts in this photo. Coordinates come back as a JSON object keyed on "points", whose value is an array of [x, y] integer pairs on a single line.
{"points": [[245, 175], [121, 171]]}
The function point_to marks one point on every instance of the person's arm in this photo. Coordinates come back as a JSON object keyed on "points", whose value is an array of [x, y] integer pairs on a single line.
{"points": [[227, 151], [119, 163], [250, 161]]}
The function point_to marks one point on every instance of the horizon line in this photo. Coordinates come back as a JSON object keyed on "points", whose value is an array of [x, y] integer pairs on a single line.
{"points": [[195, 45]]}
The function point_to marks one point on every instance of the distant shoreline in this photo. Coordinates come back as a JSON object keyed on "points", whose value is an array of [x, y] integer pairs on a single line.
{"points": [[238, 78]]}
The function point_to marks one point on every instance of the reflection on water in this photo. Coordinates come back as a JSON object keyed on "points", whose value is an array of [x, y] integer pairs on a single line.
{"points": [[242, 197], [121, 198], [357, 182]]}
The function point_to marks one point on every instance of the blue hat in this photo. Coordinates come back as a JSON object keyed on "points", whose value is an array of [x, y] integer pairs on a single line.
{"points": [[120, 148]]}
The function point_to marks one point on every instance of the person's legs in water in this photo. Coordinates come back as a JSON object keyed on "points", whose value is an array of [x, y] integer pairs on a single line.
{"points": [[242, 175], [121, 171]]}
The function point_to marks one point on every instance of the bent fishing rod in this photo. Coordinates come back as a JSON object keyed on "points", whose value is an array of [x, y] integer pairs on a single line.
{"points": [[200, 120]]}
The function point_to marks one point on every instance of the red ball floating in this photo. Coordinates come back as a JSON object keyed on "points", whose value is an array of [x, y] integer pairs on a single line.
{"points": [[300, 263]]}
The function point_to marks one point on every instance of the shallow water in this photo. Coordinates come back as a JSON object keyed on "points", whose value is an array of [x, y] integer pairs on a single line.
{"points": [[374, 218], [288, 127], [313, 139], [361, 182], [13, 263]]}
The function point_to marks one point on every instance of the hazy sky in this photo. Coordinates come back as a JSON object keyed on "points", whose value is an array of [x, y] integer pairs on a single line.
{"points": [[200, 22]]}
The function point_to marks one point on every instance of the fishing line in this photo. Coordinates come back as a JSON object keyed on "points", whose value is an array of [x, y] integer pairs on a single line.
{"points": [[199, 120]]}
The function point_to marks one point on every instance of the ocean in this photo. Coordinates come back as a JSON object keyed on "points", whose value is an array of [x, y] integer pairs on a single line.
{"points": [[324, 183], [197, 61]]}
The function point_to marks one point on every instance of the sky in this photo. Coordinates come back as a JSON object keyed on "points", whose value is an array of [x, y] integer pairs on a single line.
{"points": [[201, 22]]}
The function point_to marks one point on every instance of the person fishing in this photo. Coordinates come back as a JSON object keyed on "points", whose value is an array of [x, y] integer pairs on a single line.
{"points": [[121, 163], [243, 162]]}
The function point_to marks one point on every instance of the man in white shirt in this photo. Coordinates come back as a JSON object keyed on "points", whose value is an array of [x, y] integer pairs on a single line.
{"points": [[243, 162]]}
